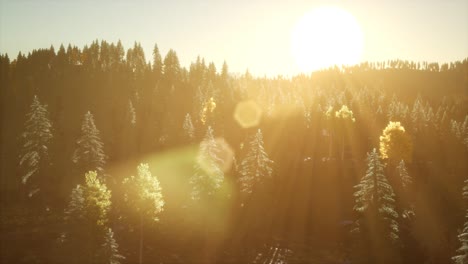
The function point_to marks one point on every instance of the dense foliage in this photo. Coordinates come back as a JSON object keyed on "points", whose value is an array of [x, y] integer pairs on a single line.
{"points": [[207, 135]]}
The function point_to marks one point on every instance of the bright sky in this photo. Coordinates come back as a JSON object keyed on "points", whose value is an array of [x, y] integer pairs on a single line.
{"points": [[253, 34]]}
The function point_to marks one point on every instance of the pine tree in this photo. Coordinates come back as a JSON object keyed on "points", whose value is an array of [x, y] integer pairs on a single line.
{"points": [[86, 219], [208, 175], [188, 127], [462, 257], [143, 194], [131, 114], [37, 137], [110, 249], [89, 154], [375, 203], [157, 63], [404, 176], [256, 165]]}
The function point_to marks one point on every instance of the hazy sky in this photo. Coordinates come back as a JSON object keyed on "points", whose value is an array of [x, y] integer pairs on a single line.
{"points": [[253, 34]]}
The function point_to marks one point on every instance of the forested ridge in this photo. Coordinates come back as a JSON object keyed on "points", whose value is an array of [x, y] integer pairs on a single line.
{"points": [[108, 156]]}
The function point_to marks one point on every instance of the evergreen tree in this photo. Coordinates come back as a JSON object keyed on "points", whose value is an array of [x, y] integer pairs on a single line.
{"points": [[404, 176], [86, 217], [462, 257], [89, 154], [188, 127], [131, 114], [110, 249], [37, 137], [395, 143], [143, 195], [208, 175], [256, 165], [377, 223], [157, 63], [171, 66]]}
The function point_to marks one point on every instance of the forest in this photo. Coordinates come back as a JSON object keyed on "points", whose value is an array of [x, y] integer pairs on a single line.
{"points": [[108, 156]]}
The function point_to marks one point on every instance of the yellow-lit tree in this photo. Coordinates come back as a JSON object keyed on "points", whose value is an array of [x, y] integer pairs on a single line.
{"points": [[345, 118], [86, 236], [143, 194], [395, 143]]}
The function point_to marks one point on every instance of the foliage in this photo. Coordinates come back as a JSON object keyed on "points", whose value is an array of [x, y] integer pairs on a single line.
{"points": [[403, 173], [90, 202], [110, 249], [395, 143], [37, 138], [89, 153], [462, 257], [86, 216], [208, 108], [188, 127], [311, 190], [345, 113], [256, 165], [375, 195], [144, 193], [208, 175]]}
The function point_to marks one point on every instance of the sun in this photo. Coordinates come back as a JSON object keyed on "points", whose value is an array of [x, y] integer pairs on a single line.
{"points": [[324, 37]]}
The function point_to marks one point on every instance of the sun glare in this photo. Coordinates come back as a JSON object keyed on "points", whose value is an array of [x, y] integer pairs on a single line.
{"points": [[324, 37]]}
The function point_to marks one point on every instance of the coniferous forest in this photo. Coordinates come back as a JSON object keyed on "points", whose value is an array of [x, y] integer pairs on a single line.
{"points": [[111, 156]]}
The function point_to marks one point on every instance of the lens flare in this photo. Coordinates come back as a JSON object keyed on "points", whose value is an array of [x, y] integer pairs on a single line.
{"points": [[248, 114]]}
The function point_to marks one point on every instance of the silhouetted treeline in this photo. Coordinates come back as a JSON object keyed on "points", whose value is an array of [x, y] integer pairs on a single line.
{"points": [[303, 213]]}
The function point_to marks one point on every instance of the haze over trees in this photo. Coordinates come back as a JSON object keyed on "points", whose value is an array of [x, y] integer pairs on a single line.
{"points": [[360, 164]]}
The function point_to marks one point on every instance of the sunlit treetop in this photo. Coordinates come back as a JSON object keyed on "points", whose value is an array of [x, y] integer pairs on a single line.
{"points": [[97, 195], [90, 201], [345, 113], [208, 107], [143, 192], [395, 143]]}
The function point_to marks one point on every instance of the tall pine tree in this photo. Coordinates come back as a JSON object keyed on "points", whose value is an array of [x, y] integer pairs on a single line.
{"points": [[143, 194], [256, 165], [377, 224], [89, 154], [37, 137], [208, 175], [189, 130], [86, 238]]}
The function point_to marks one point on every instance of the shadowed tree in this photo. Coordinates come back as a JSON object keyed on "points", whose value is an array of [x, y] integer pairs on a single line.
{"points": [[171, 67], [110, 249], [403, 173], [37, 136], [157, 63], [462, 257]]}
